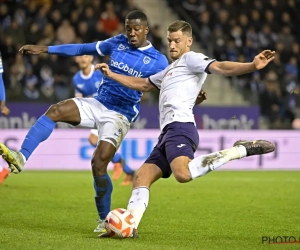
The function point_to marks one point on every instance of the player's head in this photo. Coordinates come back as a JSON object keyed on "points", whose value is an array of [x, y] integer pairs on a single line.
{"points": [[179, 38], [136, 26], [84, 61]]}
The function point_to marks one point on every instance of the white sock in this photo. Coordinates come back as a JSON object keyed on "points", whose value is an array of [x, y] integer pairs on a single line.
{"points": [[204, 164], [138, 203], [24, 158], [1, 168]]}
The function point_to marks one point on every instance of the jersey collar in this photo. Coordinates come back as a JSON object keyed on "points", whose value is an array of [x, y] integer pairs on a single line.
{"points": [[89, 75], [146, 47]]}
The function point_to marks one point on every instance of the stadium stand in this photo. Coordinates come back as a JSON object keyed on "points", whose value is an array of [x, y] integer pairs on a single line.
{"points": [[227, 30], [237, 30], [47, 22]]}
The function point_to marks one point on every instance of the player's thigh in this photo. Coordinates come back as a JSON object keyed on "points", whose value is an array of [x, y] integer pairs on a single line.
{"points": [[147, 174], [158, 158], [181, 142], [112, 127], [87, 108], [64, 111], [179, 155]]}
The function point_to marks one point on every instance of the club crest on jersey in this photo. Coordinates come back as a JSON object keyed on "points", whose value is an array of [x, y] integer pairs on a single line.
{"points": [[146, 59], [122, 47]]}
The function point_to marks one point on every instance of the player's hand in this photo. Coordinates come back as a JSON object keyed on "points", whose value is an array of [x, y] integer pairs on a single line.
{"points": [[104, 69], [262, 59], [33, 49], [4, 110], [202, 96]]}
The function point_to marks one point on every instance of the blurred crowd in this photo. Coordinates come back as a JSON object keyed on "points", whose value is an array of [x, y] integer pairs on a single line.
{"points": [[48, 78], [236, 30]]}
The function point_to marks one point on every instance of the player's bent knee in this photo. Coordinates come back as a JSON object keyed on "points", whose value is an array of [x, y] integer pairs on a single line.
{"points": [[99, 164], [54, 112], [182, 177], [101, 157]]}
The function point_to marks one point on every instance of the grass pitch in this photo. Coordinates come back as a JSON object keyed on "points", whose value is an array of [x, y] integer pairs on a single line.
{"points": [[223, 210]]}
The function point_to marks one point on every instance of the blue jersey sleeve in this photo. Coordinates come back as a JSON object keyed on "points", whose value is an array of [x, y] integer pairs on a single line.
{"points": [[74, 49], [105, 47], [2, 89]]}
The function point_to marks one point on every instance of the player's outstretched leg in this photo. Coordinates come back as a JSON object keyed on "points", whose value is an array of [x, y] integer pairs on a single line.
{"points": [[65, 111], [4, 173], [102, 183], [206, 163]]}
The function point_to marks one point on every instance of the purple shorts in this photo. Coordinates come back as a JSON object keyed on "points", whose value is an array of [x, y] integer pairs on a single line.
{"points": [[176, 139]]}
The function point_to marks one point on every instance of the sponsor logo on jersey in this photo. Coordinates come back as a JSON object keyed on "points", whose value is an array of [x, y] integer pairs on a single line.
{"points": [[122, 47], [124, 67], [146, 59]]}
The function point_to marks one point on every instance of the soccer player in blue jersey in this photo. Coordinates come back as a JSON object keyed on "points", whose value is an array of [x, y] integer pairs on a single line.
{"points": [[111, 111], [86, 83], [5, 111]]}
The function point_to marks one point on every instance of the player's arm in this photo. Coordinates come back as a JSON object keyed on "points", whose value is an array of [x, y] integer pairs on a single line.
{"points": [[4, 110], [101, 48], [227, 68], [62, 50], [140, 84]]}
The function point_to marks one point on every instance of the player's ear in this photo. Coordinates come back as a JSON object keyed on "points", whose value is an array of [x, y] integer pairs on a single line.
{"points": [[189, 41], [146, 30]]}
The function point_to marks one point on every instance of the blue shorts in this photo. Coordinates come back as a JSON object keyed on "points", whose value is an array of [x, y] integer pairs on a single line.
{"points": [[176, 139]]}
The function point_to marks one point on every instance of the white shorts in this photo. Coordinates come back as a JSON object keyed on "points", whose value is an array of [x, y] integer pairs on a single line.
{"points": [[111, 125]]}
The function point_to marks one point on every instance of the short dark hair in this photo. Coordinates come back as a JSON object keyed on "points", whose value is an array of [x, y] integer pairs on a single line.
{"points": [[137, 14], [184, 26]]}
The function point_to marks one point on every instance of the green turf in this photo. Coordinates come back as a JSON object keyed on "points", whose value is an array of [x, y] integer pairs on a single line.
{"points": [[223, 210]]}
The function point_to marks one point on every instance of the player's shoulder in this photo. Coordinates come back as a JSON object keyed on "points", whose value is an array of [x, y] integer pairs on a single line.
{"points": [[195, 55], [121, 38]]}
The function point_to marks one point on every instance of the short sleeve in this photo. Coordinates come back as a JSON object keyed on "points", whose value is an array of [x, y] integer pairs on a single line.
{"points": [[198, 63], [157, 79]]}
